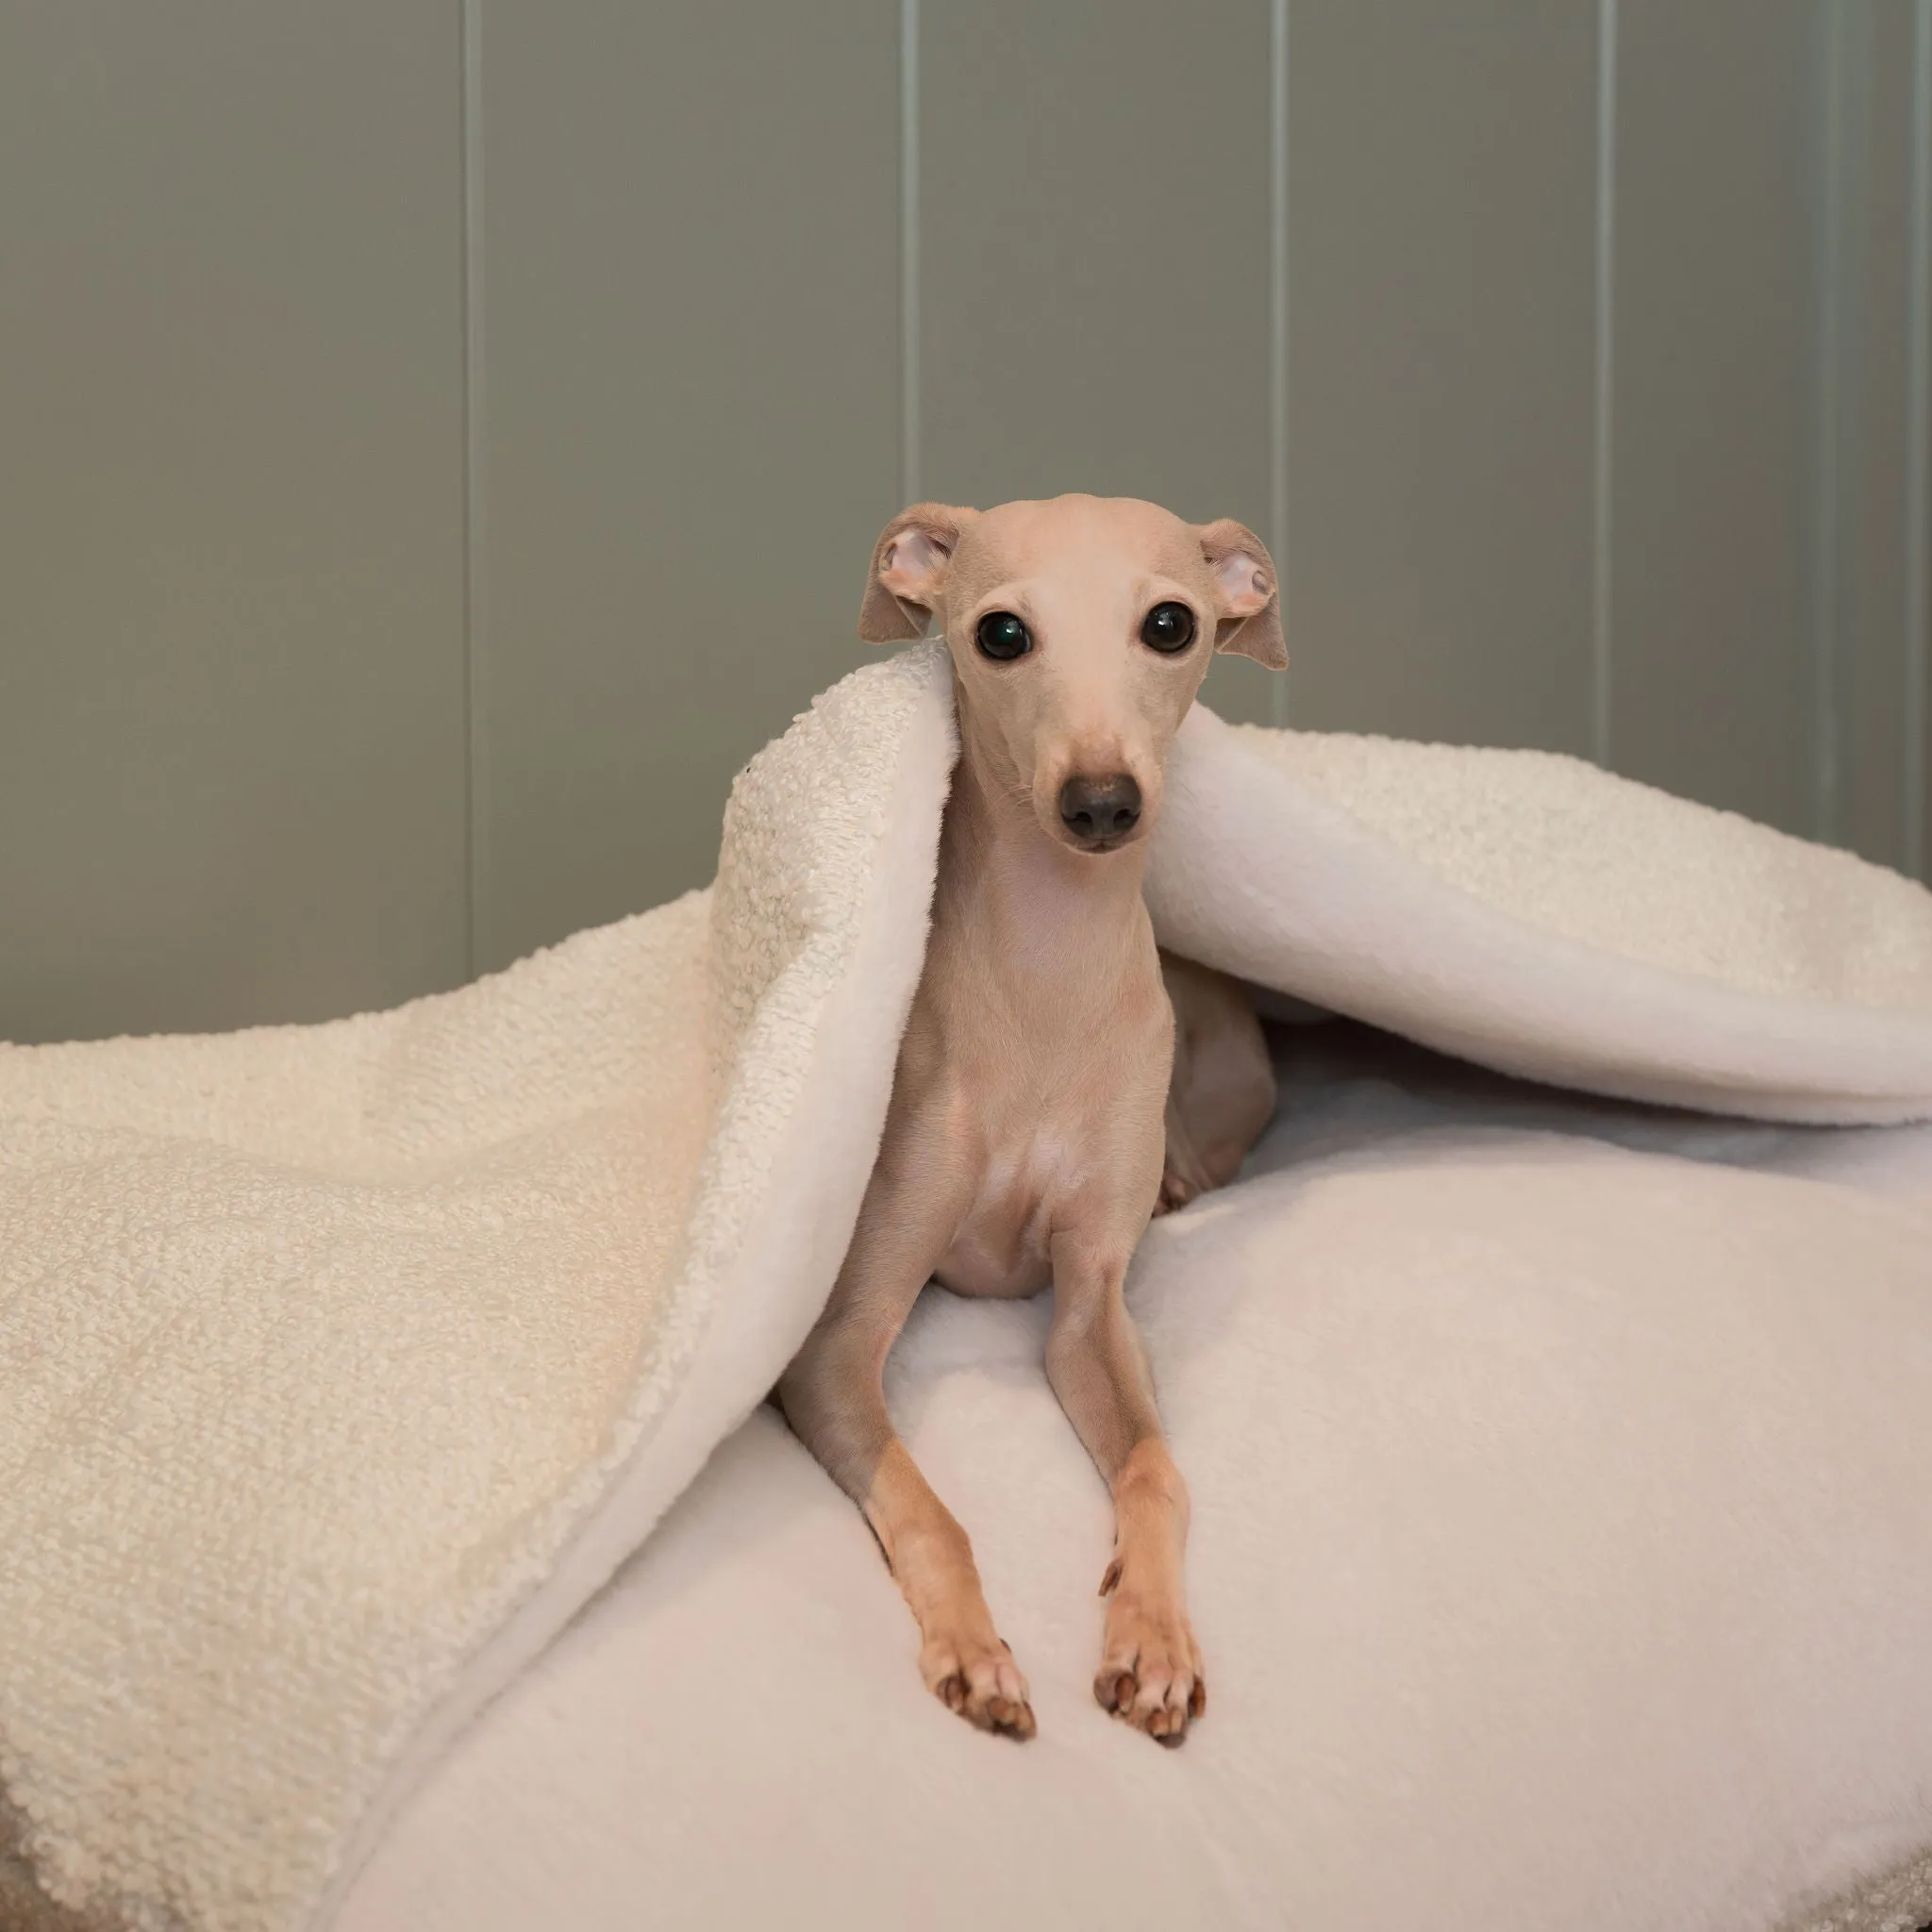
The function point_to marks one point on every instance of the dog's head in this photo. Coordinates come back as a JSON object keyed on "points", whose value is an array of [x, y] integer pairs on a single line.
{"points": [[1080, 629]]}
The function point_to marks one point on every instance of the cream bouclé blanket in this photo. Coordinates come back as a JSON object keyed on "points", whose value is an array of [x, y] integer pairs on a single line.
{"points": [[341, 1366]]}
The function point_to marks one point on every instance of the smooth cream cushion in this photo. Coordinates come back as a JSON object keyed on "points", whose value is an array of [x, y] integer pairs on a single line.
{"points": [[1561, 1555]]}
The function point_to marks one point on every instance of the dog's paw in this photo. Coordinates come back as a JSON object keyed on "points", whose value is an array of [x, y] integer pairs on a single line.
{"points": [[979, 1679], [1150, 1664]]}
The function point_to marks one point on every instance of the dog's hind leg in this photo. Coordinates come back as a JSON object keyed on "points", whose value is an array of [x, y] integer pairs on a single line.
{"points": [[1222, 1094]]}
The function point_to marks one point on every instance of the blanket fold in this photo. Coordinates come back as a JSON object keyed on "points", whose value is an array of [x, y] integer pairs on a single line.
{"points": [[340, 1366]]}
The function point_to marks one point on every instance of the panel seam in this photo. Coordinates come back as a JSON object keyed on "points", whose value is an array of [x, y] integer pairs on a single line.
{"points": [[1602, 471], [475, 532], [910, 452], [1917, 705], [1828, 455], [1277, 327]]}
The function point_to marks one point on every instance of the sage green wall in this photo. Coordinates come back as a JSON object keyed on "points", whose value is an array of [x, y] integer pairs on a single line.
{"points": [[442, 442]]}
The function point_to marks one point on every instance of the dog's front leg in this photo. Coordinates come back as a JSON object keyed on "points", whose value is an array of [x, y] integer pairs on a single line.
{"points": [[1150, 1664], [834, 1398]]}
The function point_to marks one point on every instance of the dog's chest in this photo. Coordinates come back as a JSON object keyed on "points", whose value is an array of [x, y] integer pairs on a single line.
{"points": [[1050, 1157], [1024, 1186]]}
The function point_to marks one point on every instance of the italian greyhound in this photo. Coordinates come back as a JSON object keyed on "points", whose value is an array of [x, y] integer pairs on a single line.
{"points": [[1059, 1080]]}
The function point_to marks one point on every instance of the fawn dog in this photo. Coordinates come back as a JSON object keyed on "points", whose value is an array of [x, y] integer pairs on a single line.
{"points": [[1059, 1080]]}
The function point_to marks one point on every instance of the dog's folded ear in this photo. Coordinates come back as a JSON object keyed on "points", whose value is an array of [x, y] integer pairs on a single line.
{"points": [[1250, 595], [909, 566]]}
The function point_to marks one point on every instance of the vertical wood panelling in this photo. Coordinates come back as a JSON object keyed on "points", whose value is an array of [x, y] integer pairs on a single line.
{"points": [[1442, 368], [443, 442], [1095, 261], [1714, 324], [230, 546], [690, 422]]}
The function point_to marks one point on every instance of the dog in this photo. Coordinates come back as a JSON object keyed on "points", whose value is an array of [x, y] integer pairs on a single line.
{"points": [[1059, 1080]]}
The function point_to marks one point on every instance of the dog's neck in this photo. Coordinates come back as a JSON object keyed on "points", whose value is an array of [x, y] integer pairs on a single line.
{"points": [[1030, 907]]}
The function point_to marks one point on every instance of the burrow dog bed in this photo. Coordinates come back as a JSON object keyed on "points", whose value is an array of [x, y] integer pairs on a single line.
{"points": [[1562, 1550]]}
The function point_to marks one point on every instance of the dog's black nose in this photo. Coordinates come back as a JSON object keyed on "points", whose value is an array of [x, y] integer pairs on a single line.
{"points": [[1096, 810]]}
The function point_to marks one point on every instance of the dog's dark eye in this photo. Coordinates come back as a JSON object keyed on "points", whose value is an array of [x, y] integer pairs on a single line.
{"points": [[1168, 627], [1003, 636]]}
